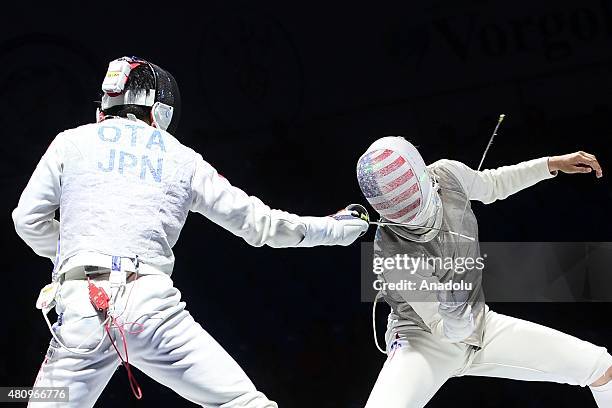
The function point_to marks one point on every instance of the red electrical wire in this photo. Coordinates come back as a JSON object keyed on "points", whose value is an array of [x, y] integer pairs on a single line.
{"points": [[126, 363], [100, 300]]}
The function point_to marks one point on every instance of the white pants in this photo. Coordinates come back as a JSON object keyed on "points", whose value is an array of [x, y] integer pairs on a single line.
{"points": [[172, 348], [418, 365]]}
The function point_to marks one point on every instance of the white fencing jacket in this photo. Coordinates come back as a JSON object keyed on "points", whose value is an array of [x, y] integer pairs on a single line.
{"points": [[125, 188]]}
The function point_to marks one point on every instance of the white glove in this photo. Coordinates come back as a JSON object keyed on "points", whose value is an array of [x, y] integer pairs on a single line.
{"points": [[342, 228], [457, 317]]}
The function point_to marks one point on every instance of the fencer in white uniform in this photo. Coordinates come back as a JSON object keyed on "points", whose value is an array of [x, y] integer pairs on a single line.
{"points": [[431, 336], [124, 187]]}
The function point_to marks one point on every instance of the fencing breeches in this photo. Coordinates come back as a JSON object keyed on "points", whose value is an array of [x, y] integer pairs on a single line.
{"points": [[418, 364], [165, 343]]}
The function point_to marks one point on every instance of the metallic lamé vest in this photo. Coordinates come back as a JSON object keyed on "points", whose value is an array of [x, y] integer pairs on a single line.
{"points": [[391, 241]]}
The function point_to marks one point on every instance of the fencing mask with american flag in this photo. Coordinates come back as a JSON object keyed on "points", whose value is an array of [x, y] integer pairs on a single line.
{"points": [[394, 179]]}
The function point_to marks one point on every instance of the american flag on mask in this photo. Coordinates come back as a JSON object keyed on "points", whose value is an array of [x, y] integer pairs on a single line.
{"points": [[389, 184]]}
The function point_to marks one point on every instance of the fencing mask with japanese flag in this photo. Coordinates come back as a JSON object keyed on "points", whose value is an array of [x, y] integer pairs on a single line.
{"points": [[396, 182]]}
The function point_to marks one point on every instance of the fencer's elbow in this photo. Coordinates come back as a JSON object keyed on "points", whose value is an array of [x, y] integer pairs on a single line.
{"points": [[256, 244], [255, 240], [19, 221], [259, 231], [276, 241], [24, 225]]}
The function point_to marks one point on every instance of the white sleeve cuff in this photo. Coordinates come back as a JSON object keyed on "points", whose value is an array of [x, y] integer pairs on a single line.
{"points": [[543, 170]]}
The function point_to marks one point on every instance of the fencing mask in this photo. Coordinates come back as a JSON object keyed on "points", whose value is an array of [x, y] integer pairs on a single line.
{"points": [[163, 97], [396, 182]]}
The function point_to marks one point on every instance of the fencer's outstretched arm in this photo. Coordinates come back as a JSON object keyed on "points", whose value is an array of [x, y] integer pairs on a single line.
{"points": [[496, 184], [34, 216], [249, 218]]}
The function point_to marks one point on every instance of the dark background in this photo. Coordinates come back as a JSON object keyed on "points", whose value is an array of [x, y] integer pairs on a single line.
{"points": [[283, 97]]}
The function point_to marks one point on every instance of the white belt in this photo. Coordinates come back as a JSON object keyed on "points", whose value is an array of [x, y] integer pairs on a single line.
{"points": [[77, 263]]}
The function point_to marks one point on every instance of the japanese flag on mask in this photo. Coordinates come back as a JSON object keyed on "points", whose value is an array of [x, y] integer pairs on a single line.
{"points": [[394, 179]]}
